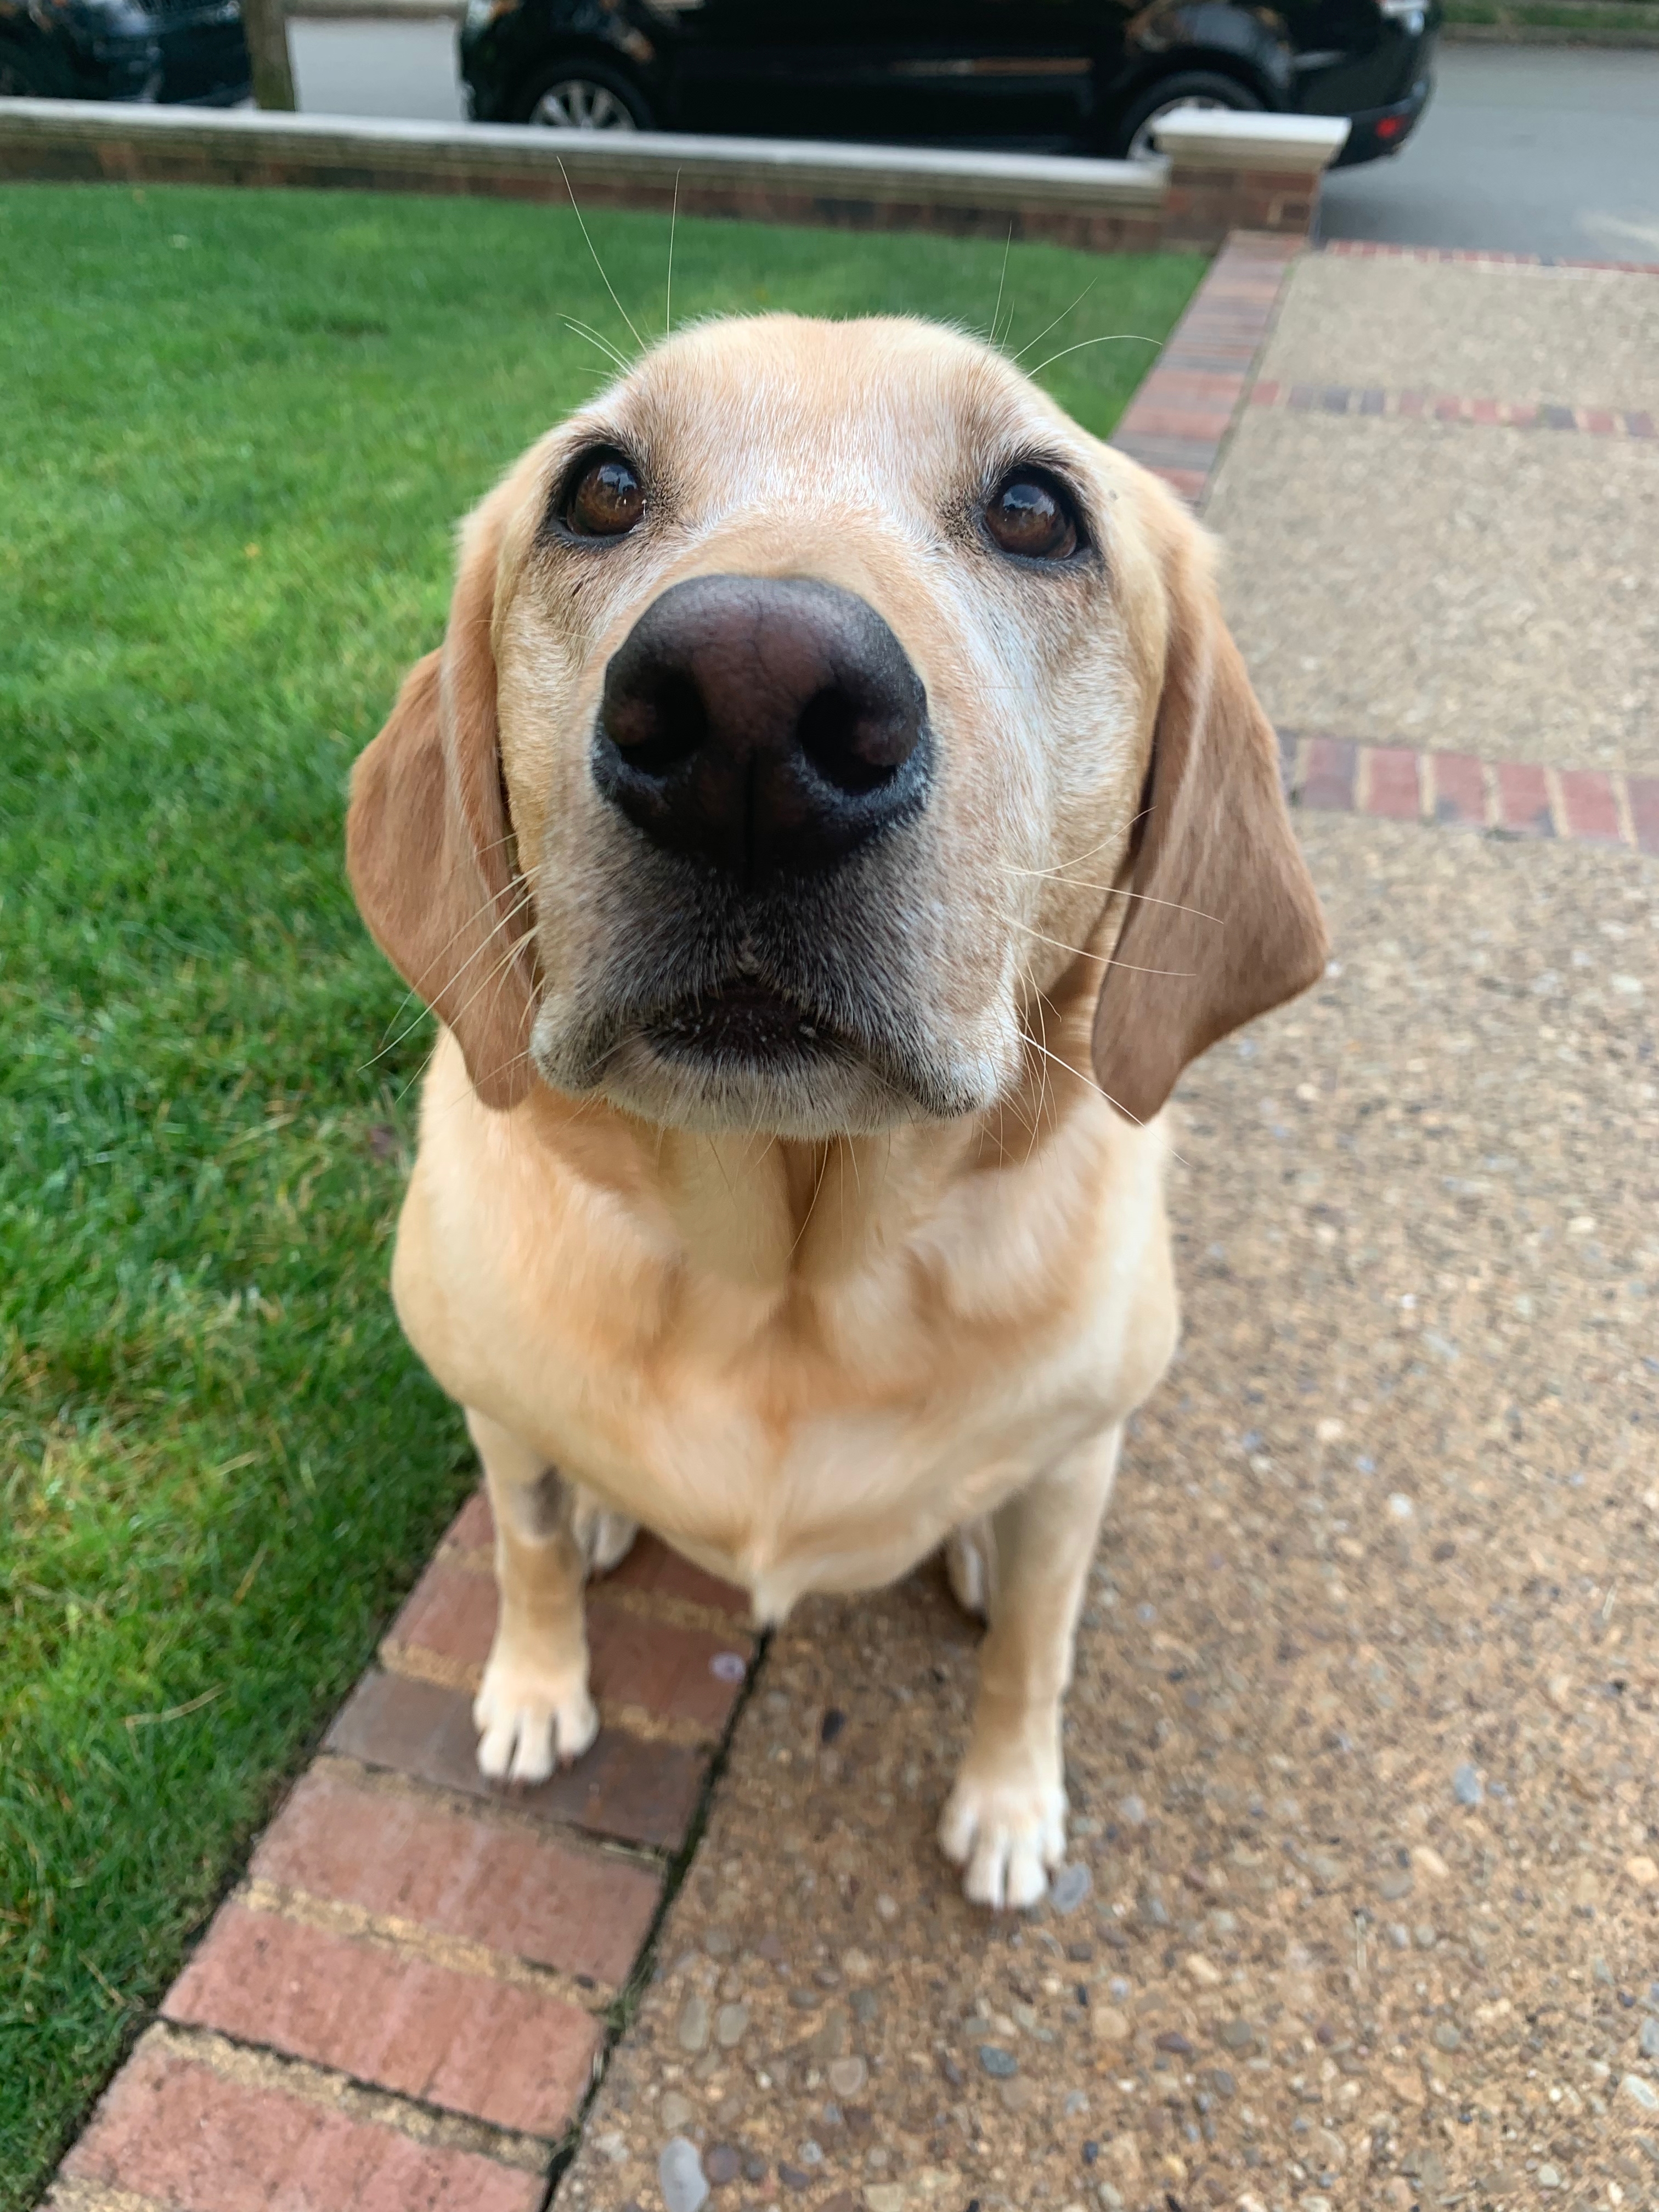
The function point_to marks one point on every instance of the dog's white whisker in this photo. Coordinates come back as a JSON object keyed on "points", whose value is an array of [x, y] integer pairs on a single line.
{"points": [[996, 312], [459, 931], [594, 338], [597, 264], [428, 1001], [812, 1203], [427, 1004], [1091, 1080], [1112, 338], [493, 980], [1015, 359], [1109, 890], [1105, 959]]}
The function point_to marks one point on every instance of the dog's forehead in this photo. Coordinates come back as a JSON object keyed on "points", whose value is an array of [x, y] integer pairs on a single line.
{"points": [[796, 401]]}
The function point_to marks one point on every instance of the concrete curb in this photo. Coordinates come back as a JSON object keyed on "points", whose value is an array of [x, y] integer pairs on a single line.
{"points": [[1104, 205]]}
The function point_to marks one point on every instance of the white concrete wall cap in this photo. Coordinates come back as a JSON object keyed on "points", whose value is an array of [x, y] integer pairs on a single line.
{"points": [[782, 165], [1223, 138]]}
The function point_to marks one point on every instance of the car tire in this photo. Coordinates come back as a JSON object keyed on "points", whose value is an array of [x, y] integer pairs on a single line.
{"points": [[583, 95], [1130, 138]]}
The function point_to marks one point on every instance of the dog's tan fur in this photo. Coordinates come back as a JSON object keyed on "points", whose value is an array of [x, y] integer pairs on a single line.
{"points": [[809, 1345]]}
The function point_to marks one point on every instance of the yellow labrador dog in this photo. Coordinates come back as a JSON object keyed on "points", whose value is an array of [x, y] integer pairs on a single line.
{"points": [[836, 815]]}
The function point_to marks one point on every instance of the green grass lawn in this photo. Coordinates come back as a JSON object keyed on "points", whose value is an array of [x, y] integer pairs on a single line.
{"points": [[237, 433]]}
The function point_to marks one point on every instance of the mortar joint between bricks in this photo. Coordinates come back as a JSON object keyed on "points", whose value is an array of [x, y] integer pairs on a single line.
{"points": [[258, 2066], [413, 1939], [1621, 799], [70, 2194], [501, 1810], [1555, 799]]}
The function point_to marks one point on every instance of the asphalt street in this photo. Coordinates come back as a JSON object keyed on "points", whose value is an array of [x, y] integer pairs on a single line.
{"points": [[1539, 149], [1524, 150]]}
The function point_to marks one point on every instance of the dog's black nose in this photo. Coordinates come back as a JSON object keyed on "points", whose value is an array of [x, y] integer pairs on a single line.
{"points": [[766, 725]]}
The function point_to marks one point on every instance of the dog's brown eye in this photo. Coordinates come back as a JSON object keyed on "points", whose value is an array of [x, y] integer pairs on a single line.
{"points": [[1029, 515], [606, 500]]}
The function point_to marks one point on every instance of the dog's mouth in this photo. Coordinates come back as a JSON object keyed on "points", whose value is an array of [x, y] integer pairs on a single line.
{"points": [[805, 1014], [743, 1024]]}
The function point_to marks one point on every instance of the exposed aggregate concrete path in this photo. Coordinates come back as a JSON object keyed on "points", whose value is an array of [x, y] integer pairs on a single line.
{"points": [[1478, 589]]}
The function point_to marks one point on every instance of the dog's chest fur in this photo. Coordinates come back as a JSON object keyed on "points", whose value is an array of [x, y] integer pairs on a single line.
{"points": [[801, 1384]]}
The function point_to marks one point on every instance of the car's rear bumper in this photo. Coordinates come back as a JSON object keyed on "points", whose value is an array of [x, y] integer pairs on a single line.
{"points": [[1379, 131]]}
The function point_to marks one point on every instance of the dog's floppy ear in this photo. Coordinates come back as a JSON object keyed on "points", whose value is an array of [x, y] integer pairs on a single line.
{"points": [[429, 842], [1215, 840]]}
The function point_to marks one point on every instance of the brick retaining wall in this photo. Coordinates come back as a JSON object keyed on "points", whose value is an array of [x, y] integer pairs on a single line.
{"points": [[1211, 187]]}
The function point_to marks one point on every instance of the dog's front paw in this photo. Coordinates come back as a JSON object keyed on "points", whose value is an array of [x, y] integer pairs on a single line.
{"points": [[1006, 1829], [530, 1719]]}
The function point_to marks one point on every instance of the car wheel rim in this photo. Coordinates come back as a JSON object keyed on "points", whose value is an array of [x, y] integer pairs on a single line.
{"points": [[577, 103], [1141, 148]]}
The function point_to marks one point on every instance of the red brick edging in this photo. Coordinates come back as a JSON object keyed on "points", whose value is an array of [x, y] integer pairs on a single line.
{"points": [[406, 2000], [1452, 407], [1510, 799], [1179, 420], [1478, 257]]}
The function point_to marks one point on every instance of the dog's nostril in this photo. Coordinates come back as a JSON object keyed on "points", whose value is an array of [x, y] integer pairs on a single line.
{"points": [[849, 749], [660, 724]]}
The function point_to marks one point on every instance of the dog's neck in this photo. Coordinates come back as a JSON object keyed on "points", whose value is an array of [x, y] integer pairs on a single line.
{"points": [[779, 1214]]}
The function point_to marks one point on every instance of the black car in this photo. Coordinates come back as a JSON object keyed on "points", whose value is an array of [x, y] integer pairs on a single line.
{"points": [[1071, 75], [174, 50]]}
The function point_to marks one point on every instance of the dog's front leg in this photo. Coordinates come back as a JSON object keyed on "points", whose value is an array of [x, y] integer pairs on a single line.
{"points": [[532, 1710], [1004, 1820]]}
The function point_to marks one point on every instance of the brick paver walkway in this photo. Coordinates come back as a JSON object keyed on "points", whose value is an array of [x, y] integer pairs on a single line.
{"points": [[404, 2005]]}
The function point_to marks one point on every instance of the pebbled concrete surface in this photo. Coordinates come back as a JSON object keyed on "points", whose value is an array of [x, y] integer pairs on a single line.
{"points": [[1366, 1859], [1577, 336], [1477, 589]]}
